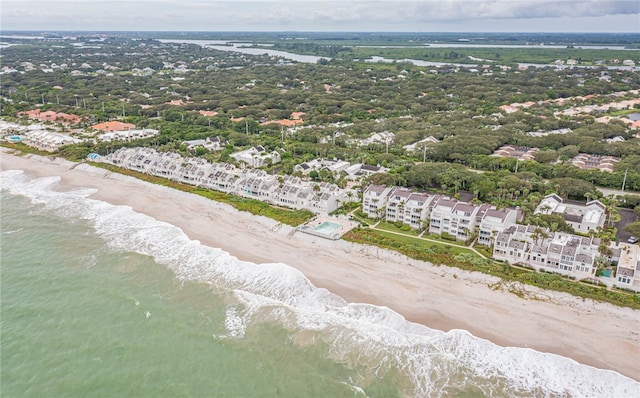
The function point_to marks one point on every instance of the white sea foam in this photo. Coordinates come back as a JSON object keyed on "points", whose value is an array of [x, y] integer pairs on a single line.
{"points": [[372, 339]]}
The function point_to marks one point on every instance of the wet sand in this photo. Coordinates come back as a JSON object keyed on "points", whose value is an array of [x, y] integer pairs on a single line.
{"points": [[593, 333]]}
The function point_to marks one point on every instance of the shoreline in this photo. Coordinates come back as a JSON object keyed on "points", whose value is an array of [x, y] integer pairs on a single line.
{"points": [[593, 333]]}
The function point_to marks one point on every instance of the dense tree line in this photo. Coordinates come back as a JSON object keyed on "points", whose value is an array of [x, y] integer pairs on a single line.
{"points": [[457, 106]]}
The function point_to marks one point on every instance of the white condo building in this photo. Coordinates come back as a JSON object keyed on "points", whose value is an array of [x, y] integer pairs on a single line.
{"points": [[444, 214], [410, 208], [493, 222], [48, 141], [539, 248], [374, 200], [582, 218], [287, 191], [458, 219], [628, 270]]}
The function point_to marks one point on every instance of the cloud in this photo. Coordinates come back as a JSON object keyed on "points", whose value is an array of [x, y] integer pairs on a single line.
{"points": [[255, 15], [517, 9]]}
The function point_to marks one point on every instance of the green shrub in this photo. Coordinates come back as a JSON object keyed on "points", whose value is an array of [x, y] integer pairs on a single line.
{"points": [[545, 280]]}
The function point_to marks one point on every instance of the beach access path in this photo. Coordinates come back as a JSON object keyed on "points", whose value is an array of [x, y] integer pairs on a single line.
{"points": [[593, 333]]}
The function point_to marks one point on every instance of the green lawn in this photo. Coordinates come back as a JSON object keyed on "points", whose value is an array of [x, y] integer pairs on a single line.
{"points": [[443, 247], [387, 226]]}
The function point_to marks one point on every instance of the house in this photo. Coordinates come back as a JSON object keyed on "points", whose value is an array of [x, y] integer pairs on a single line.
{"points": [[289, 195], [127, 135], [212, 144], [509, 108], [325, 197], [254, 183], [417, 209], [384, 137], [257, 156], [332, 165], [51, 116], [114, 125], [284, 122], [358, 171], [411, 148], [307, 167], [166, 164], [515, 151], [194, 171], [581, 218], [603, 163]]}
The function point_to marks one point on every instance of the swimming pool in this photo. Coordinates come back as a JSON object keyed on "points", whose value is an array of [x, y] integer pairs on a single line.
{"points": [[328, 228], [325, 229], [14, 138]]}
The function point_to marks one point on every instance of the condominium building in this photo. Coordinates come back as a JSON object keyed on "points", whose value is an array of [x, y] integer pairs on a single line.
{"points": [[374, 200], [589, 161], [48, 141], [443, 214], [582, 218], [559, 252], [458, 219], [408, 207], [127, 135], [287, 191], [628, 269], [493, 222]]}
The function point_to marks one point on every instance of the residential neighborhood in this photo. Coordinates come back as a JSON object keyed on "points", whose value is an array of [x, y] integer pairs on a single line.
{"points": [[572, 255], [393, 209], [287, 191]]}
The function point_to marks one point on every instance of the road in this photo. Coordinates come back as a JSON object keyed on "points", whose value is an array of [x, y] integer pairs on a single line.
{"points": [[608, 191]]}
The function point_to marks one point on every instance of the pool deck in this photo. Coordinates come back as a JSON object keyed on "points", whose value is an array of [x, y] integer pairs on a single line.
{"points": [[345, 226]]}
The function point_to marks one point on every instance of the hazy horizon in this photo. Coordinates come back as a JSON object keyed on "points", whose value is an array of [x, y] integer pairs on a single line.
{"points": [[451, 16]]}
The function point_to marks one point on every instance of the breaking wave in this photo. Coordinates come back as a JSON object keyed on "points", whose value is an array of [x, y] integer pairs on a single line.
{"points": [[374, 340]]}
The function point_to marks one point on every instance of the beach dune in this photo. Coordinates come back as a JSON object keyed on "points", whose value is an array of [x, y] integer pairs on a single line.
{"points": [[593, 333]]}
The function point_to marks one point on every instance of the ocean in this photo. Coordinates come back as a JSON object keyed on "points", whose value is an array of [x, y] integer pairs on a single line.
{"points": [[100, 301]]}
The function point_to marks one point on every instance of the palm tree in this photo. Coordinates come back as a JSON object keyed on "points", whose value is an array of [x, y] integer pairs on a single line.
{"points": [[381, 212], [401, 208], [589, 196]]}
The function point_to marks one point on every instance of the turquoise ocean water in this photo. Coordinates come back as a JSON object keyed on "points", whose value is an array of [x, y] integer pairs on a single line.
{"points": [[99, 301]]}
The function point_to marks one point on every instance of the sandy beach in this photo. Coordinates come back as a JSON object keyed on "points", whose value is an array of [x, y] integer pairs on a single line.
{"points": [[593, 333]]}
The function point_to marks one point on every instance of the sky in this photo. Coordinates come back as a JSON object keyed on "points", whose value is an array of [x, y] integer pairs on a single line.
{"points": [[319, 15]]}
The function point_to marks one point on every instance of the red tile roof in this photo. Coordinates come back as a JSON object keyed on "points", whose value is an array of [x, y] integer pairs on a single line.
{"points": [[51, 116], [113, 126], [297, 115], [284, 122]]}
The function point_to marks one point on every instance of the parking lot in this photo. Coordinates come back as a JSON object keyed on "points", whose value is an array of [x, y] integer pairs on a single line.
{"points": [[626, 216]]}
